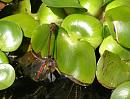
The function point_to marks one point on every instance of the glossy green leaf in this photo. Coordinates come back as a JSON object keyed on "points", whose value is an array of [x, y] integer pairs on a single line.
{"points": [[84, 27], [6, 1], [93, 6], [111, 70], [7, 76], [40, 39], [111, 45], [75, 58], [63, 3], [10, 36], [122, 91], [119, 24], [3, 58], [117, 3], [25, 21], [48, 15]]}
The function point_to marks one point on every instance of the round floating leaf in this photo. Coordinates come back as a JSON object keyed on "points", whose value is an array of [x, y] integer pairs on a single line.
{"points": [[111, 70], [7, 76], [111, 45], [84, 27], [48, 15], [119, 24], [25, 21], [10, 36], [3, 58], [122, 91], [75, 58]]}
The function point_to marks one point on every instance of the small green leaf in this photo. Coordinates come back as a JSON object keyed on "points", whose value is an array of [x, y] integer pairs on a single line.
{"points": [[7, 76], [25, 21], [63, 3], [122, 91], [111, 70], [119, 24], [48, 15], [111, 45], [10, 36]]}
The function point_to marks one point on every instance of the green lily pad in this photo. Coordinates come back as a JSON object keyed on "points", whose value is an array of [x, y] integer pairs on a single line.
{"points": [[3, 58], [84, 27], [119, 24], [7, 76], [10, 36], [48, 15], [75, 58], [122, 91], [111, 45], [40, 39], [25, 21], [63, 3], [111, 70]]}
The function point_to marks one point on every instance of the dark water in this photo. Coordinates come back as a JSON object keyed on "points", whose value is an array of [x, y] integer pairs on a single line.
{"points": [[61, 88]]}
